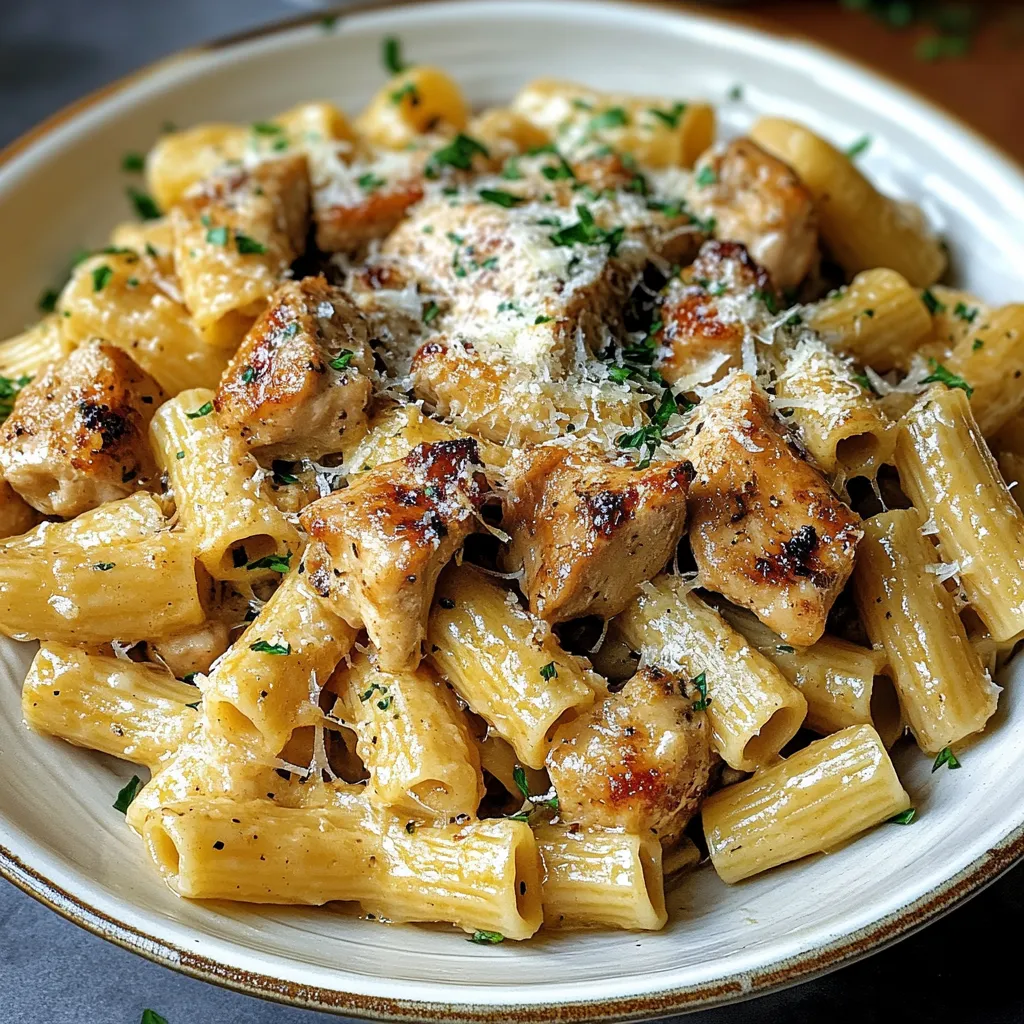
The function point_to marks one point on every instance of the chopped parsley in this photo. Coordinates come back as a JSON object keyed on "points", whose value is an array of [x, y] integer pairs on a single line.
{"points": [[278, 563], [104, 566], [701, 682], [248, 375], [941, 375], [904, 817], [342, 360], [204, 410], [458, 153], [370, 182], [933, 304], [586, 232], [266, 128], [409, 91], [785, 649], [669, 118], [328, 22], [561, 171], [180, 455], [262, 647], [613, 117], [864, 381], [152, 1017], [542, 319], [431, 311], [964, 312], [144, 204], [391, 55], [860, 146], [482, 938], [47, 301], [706, 176], [9, 388], [101, 276], [511, 171], [217, 236], [650, 436], [126, 795], [977, 343], [248, 246], [767, 296], [133, 163], [500, 198], [282, 477], [548, 671], [735, 93], [195, 706], [946, 757]]}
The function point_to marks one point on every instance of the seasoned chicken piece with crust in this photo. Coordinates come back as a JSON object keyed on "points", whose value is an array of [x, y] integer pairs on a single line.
{"points": [[707, 311], [300, 383], [588, 532], [376, 548], [639, 760], [766, 530], [532, 279], [505, 403], [397, 311], [758, 200], [78, 434]]}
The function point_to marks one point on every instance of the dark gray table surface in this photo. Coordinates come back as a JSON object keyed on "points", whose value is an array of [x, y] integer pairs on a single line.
{"points": [[962, 969]]}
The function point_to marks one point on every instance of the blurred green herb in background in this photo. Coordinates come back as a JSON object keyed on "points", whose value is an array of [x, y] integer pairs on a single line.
{"points": [[950, 26]]}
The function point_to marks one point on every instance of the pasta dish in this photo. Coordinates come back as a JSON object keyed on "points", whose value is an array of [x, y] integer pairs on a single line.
{"points": [[487, 517]]}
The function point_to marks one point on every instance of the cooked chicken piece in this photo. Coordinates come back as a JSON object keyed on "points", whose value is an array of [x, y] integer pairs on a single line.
{"points": [[758, 200], [376, 548], [639, 760], [78, 434], [588, 532], [707, 312], [299, 385], [502, 402], [361, 200], [194, 650], [396, 310], [530, 279], [766, 530]]}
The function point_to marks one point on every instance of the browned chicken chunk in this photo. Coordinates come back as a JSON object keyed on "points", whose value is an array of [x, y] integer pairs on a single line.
{"points": [[766, 530], [376, 548], [707, 311], [639, 760], [758, 200], [78, 434], [587, 532], [300, 381]]}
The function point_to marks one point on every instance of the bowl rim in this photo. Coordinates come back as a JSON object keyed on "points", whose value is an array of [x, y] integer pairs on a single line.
{"points": [[783, 973]]}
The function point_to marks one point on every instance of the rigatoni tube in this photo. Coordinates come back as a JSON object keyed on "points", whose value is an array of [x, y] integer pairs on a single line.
{"points": [[825, 794], [945, 693], [949, 474], [504, 662], [754, 711]]}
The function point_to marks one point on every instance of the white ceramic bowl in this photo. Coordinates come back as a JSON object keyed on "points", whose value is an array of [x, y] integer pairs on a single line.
{"points": [[61, 840]]}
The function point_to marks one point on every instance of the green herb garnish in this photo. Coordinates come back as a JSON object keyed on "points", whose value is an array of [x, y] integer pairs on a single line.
{"points": [[262, 647], [278, 563], [904, 817], [701, 682], [126, 795], [946, 757], [706, 176], [144, 203], [391, 55], [941, 375], [430, 312], [860, 146], [248, 246], [670, 118], [101, 277], [204, 410], [548, 671], [500, 197], [458, 153], [342, 360], [933, 304], [482, 938], [133, 163], [104, 566]]}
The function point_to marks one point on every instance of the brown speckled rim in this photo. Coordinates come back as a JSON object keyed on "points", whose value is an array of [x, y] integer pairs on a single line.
{"points": [[802, 967]]}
